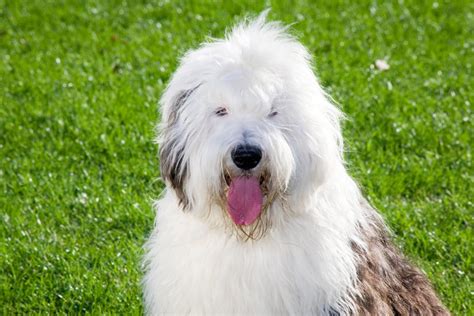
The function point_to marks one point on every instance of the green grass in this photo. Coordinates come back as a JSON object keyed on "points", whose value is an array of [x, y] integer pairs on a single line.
{"points": [[79, 84]]}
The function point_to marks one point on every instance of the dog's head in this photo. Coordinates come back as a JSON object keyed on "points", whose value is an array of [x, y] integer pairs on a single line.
{"points": [[247, 129]]}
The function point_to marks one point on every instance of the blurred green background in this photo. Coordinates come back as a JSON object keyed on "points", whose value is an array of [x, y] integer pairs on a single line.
{"points": [[79, 85]]}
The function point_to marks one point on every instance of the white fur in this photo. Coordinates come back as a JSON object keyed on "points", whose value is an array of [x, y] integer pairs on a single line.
{"points": [[196, 263]]}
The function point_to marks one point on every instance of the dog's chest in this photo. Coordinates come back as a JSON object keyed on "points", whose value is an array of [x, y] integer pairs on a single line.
{"points": [[215, 275]]}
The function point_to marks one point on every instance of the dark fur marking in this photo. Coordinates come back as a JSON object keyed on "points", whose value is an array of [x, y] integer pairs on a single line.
{"points": [[172, 165], [174, 169], [178, 103], [388, 283]]}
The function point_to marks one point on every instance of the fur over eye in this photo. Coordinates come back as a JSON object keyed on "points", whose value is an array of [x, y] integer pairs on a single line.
{"points": [[220, 111], [273, 113]]}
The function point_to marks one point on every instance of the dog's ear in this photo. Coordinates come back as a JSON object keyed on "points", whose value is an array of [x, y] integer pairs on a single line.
{"points": [[173, 166]]}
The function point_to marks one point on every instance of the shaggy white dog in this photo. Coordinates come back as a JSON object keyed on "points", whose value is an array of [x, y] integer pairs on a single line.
{"points": [[259, 215]]}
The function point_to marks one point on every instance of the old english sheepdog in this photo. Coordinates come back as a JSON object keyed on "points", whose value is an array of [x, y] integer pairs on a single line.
{"points": [[259, 215]]}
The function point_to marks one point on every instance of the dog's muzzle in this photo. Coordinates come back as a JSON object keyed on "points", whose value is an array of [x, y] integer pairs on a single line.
{"points": [[245, 182]]}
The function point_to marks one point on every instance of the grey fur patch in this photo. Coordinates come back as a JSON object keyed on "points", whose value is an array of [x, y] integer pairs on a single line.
{"points": [[388, 283], [172, 164], [178, 103]]}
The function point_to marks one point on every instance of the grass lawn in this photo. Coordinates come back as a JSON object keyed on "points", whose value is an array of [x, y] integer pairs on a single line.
{"points": [[79, 84]]}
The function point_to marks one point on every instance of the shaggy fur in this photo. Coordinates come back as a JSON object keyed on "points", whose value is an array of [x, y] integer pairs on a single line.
{"points": [[388, 284], [317, 247]]}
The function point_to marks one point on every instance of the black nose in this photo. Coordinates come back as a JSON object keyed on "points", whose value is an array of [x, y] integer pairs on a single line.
{"points": [[246, 156]]}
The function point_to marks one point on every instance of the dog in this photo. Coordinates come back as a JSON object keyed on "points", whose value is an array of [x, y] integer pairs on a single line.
{"points": [[259, 215]]}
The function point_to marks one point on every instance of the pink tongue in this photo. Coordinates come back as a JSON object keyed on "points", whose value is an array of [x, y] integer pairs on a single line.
{"points": [[244, 200]]}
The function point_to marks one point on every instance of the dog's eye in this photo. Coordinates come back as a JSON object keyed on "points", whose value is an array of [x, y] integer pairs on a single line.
{"points": [[273, 113], [220, 111]]}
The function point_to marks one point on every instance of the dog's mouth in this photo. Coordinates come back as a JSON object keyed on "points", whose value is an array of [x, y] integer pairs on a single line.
{"points": [[246, 196], [262, 179]]}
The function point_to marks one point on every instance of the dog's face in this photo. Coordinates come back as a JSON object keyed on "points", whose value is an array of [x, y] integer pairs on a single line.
{"points": [[245, 127]]}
